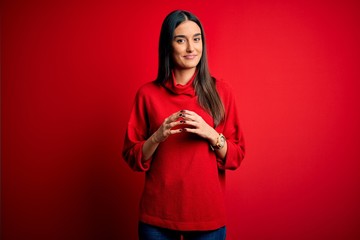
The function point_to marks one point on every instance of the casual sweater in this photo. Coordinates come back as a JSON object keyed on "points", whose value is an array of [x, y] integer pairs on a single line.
{"points": [[184, 178]]}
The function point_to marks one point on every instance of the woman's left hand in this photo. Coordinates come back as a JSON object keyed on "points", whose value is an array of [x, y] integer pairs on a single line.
{"points": [[196, 124]]}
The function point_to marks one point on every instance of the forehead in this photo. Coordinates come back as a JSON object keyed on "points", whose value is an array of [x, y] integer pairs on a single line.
{"points": [[187, 28]]}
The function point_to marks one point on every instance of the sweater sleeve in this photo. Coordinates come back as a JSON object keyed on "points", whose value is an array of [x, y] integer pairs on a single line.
{"points": [[136, 135], [230, 128]]}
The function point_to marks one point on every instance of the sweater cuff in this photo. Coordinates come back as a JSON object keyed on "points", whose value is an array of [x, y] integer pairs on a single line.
{"points": [[140, 164], [233, 157]]}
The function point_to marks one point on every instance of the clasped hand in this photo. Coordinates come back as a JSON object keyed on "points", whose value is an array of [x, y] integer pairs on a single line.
{"points": [[184, 121]]}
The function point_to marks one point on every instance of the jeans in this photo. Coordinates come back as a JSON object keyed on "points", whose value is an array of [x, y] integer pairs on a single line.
{"points": [[149, 232]]}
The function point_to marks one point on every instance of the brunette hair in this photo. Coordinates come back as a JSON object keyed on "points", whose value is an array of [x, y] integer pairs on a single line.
{"points": [[204, 83]]}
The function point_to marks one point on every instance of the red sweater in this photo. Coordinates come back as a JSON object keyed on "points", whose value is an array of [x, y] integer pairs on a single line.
{"points": [[184, 179]]}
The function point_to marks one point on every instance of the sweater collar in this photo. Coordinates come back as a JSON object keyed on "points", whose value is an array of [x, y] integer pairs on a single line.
{"points": [[179, 89]]}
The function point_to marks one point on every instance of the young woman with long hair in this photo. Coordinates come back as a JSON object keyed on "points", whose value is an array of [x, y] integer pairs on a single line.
{"points": [[183, 132]]}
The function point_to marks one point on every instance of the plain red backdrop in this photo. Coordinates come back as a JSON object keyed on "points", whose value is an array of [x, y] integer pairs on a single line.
{"points": [[69, 73]]}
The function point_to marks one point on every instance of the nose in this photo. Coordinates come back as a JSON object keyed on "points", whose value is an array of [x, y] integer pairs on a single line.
{"points": [[190, 47]]}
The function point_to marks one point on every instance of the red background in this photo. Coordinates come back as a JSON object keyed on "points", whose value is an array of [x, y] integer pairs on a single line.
{"points": [[69, 73]]}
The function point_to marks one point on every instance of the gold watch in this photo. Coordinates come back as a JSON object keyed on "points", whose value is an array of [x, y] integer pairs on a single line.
{"points": [[220, 143]]}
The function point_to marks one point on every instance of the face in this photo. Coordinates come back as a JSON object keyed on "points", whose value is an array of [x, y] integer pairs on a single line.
{"points": [[187, 45]]}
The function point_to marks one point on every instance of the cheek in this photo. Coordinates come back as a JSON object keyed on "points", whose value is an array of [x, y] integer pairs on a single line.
{"points": [[175, 56], [200, 48], [175, 52]]}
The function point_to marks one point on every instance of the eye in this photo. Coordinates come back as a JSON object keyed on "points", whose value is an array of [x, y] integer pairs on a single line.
{"points": [[197, 39], [180, 40]]}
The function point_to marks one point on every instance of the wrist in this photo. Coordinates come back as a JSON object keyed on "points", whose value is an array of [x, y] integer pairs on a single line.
{"points": [[213, 138], [153, 139], [220, 142]]}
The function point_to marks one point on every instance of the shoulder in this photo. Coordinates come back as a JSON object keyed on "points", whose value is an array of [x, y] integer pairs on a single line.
{"points": [[227, 95], [221, 83], [147, 89], [223, 88]]}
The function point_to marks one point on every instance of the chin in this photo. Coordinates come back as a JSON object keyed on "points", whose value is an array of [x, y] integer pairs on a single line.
{"points": [[189, 66]]}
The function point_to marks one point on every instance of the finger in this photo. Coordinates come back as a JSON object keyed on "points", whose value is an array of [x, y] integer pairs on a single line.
{"points": [[174, 117], [167, 132], [167, 121], [176, 131], [191, 123], [174, 124], [188, 112], [190, 130], [188, 117]]}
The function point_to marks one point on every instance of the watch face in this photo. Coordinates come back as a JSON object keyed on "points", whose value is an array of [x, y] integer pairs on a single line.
{"points": [[221, 142]]}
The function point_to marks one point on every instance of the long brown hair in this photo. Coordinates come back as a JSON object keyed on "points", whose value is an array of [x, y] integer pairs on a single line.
{"points": [[204, 83]]}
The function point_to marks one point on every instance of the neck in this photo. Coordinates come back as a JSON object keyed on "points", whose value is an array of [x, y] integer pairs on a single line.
{"points": [[183, 76]]}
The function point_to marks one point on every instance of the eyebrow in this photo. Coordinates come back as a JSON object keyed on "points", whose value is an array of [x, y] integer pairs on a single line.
{"points": [[183, 36]]}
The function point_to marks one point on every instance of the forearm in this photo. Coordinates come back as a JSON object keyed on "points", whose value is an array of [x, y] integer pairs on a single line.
{"points": [[149, 147], [221, 153]]}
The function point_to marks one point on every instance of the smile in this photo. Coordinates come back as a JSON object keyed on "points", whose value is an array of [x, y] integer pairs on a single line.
{"points": [[190, 56]]}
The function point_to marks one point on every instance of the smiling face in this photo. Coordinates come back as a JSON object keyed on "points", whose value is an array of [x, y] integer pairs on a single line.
{"points": [[187, 45]]}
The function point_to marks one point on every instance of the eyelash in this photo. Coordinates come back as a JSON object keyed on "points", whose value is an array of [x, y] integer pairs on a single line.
{"points": [[183, 40]]}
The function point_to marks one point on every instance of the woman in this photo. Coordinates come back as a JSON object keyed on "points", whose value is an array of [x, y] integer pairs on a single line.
{"points": [[183, 132]]}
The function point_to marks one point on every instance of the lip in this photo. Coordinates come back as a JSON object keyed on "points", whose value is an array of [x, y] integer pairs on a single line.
{"points": [[191, 56]]}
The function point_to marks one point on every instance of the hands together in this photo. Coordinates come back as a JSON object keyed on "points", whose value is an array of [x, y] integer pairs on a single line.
{"points": [[185, 121]]}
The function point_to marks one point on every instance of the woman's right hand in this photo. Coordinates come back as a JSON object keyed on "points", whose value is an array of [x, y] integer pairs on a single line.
{"points": [[165, 130]]}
